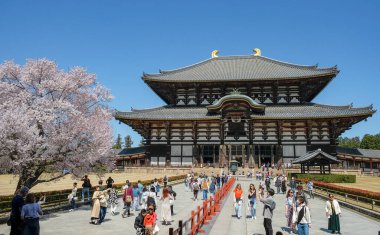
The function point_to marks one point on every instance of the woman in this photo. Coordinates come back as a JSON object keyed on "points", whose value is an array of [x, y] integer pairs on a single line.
{"points": [[73, 197], [136, 194], [113, 200], [165, 207], [144, 198], [261, 190], [333, 213], [252, 200], [95, 206], [302, 217], [238, 200], [289, 208], [30, 214], [150, 221], [195, 190], [103, 198]]}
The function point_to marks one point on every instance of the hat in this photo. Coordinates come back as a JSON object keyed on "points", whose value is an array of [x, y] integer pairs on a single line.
{"points": [[24, 189]]}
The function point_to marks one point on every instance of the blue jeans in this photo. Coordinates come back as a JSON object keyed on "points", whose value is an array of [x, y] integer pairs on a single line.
{"points": [[72, 204], [204, 194], [252, 208], [303, 229], [102, 214], [88, 193], [238, 209]]}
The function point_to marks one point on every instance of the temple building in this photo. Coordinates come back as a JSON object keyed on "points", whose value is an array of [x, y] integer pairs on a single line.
{"points": [[252, 109]]}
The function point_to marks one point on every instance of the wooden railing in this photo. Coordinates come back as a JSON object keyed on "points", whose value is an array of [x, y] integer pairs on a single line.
{"points": [[202, 215]]}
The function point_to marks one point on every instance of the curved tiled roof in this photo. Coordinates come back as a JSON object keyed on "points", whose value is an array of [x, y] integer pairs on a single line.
{"points": [[309, 157], [370, 153], [302, 111], [240, 68], [232, 97]]}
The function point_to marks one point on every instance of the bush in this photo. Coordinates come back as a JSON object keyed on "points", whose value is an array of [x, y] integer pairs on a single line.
{"points": [[326, 178]]}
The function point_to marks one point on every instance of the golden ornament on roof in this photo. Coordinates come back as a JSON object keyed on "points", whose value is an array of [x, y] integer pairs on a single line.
{"points": [[257, 52], [214, 54]]}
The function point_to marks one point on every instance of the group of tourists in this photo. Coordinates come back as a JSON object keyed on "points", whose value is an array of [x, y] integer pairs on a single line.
{"points": [[25, 214], [297, 211], [207, 185]]}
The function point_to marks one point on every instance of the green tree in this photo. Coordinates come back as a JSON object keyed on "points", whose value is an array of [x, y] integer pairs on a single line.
{"points": [[128, 142], [349, 142], [117, 144], [370, 142], [142, 142]]}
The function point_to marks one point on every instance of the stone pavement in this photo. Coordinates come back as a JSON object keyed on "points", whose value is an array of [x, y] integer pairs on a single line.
{"points": [[77, 222], [351, 223]]}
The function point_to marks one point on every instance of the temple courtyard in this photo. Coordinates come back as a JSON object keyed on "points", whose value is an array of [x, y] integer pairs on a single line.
{"points": [[77, 222]]}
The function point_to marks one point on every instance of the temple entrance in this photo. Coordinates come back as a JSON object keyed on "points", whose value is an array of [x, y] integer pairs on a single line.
{"points": [[237, 154], [210, 155]]}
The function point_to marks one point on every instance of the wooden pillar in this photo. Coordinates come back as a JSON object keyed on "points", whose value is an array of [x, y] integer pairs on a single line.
{"points": [[320, 169], [201, 154], [243, 156], [229, 154], [329, 168], [308, 169], [259, 156], [271, 156], [213, 154], [370, 163]]}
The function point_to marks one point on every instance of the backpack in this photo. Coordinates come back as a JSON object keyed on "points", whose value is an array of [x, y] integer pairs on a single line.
{"points": [[196, 187], [151, 202], [212, 187]]}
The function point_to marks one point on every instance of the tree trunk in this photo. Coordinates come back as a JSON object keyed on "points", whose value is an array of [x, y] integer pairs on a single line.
{"points": [[27, 179]]}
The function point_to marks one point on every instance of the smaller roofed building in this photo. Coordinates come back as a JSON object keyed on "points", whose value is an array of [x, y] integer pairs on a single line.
{"points": [[131, 157], [357, 158], [316, 158]]}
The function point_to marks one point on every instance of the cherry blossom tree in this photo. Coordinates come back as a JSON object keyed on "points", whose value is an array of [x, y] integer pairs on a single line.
{"points": [[52, 121]]}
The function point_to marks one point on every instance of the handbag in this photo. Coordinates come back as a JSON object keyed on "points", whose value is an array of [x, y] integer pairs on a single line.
{"points": [[156, 229], [128, 199]]}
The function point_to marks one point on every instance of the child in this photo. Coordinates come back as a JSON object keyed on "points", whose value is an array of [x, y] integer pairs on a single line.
{"points": [[139, 223]]}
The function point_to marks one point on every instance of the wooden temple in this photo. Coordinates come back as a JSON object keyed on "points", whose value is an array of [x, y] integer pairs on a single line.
{"points": [[251, 109]]}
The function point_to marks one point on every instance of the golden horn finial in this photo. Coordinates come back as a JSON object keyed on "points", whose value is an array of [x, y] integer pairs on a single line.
{"points": [[214, 54], [257, 52]]}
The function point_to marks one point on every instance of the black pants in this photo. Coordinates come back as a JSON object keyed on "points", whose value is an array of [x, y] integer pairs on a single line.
{"points": [[268, 226], [172, 209], [32, 227]]}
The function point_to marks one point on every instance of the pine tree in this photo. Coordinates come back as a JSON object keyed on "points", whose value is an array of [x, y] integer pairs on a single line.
{"points": [[117, 144], [128, 142]]}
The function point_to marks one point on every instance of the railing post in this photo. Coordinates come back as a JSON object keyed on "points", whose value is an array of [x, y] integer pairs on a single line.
{"points": [[171, 231], [180, 226]]}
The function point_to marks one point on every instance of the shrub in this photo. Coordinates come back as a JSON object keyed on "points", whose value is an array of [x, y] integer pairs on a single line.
{"points": [[331, 178]]}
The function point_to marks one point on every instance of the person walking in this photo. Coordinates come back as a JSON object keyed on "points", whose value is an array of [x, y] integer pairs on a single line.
{"points": [[95, 212], [302, 217], [144, 198], [293, 185], [204, 187], [300, 193], [238, 200], [127, 198], [73, 197], [166, 180], [252, 200], [109, 182], [277, 184], [86, 186], [289, 209], [310, 187], [173, 195], [195, 190], [333, 213], [18, 202], [136, 194], [30, 214], [113, 200], [212, 188], [283, 185], [156, 186], [139, 223], [141, 187], [165, 207], [103, 199], [269, 206]]}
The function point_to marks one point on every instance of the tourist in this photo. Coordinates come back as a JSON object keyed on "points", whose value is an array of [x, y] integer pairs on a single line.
{"points": [[101, 186], [300, 193], [127, 198], [139, 223], [109, 182], [124, 188], [150, 221], [186, 182], [218, 181], [302, 217], [238, 200], [144, 198], [17, 204], [141, 187], [166, 180], [151, 199], [156, 185], [195, 190], [277, 184], [212, 188], [86, 186], [136, 194], [95, 206], [333, 213], [261, 190], [269, 206], [173, 195], [113, 199], [252, 201], [204, 187], [293, 185], [283, 184], [165, 207], [30, 214], [289, 209], [103, 198], [73, 197], [310, 187]]}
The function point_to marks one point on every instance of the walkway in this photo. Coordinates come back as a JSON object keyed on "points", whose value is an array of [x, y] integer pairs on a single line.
{"points": [[351, 223], [77, 222]]}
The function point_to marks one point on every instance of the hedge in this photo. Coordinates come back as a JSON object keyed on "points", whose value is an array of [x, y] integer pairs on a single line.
{"points": [[331, 178]]}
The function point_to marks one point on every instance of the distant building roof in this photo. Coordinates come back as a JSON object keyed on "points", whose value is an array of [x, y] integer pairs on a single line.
{"points": [[316, 156], [131, 151], [240, 68], [369, 153], [302, 111]]}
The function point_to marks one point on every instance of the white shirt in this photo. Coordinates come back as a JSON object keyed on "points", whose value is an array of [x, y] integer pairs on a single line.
{"points": [[329, 209], [306, 219]]}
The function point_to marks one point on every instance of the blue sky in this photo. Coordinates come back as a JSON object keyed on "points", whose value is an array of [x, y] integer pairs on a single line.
{"points": [[118, 40]]}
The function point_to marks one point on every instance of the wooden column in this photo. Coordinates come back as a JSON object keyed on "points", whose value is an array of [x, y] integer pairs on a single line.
{"points": [[213, 154], [271, 156], [259, 156], [243, 157], [201, 154]]}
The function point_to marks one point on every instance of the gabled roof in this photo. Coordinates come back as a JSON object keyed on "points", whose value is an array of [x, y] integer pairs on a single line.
{"points": [[302, 111], [131, 151], [315, 156], [369, 153], [235, 97], [240, 68]]}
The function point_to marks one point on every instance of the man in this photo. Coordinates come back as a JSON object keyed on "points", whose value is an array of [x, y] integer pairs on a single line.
{"points": [[141, 187], [204, 187], [17, 204], [310, 187], [293, 185], [277, 183], [300, 193], [109, 182], [165, 181], [86, 187], [269, 206]]}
